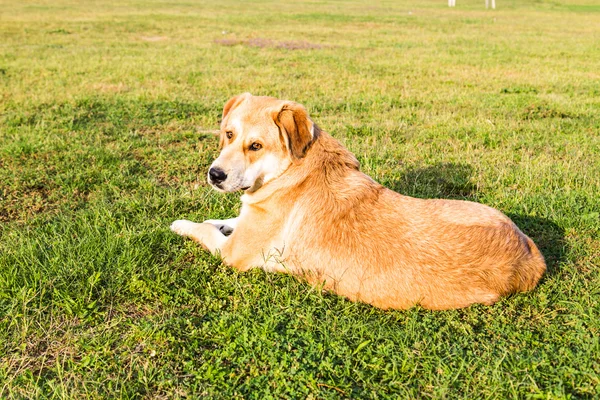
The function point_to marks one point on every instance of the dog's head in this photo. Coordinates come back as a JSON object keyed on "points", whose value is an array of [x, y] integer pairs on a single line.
{"points": [[260, 138]]}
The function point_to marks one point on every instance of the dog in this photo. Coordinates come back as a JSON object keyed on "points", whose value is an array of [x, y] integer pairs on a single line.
{"points": [[308, 210]]}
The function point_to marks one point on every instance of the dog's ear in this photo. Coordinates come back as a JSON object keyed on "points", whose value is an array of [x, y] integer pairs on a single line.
{"points": [[233, 103], [296, 127]]}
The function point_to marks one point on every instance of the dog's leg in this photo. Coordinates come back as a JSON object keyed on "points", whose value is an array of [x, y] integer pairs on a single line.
{"points": [[226, 226], [208, 235]]}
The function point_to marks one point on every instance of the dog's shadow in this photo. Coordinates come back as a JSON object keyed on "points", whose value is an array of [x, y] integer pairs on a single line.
{"points": [[439, 181], [453, 181]]}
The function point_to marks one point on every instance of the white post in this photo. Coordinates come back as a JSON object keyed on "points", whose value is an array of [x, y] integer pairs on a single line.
{"points": [[493, 4], [451, 3]]}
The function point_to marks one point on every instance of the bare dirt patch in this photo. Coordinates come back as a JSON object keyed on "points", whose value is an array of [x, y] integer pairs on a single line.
{"points": [[228, 42], [269, 43]]}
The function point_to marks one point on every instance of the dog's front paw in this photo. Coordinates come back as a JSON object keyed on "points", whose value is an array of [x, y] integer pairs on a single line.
{"points": [[226, 230], [183, 227]]}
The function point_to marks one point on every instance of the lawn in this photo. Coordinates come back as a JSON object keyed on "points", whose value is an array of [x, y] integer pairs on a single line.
{"points": [[107, 118]]}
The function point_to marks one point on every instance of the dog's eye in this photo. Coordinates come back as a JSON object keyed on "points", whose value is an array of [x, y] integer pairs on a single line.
{"points": [[229, 134], [255, 146]]}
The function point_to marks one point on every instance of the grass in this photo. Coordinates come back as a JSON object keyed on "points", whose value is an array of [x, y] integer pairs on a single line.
{"points": [[105, 117]]}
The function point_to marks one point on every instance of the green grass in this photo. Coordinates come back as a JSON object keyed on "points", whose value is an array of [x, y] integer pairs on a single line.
{"points": [[105, 117]]}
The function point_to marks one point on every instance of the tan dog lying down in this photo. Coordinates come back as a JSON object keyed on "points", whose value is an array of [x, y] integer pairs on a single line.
{"points": [[309, 211]]}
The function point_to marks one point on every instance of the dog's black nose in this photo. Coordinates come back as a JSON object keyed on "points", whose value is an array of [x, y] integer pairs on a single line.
{"points": [[217, 175]]}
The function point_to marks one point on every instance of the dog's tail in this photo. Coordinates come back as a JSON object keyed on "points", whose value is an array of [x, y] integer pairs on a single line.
{"points": [[531, 268]]}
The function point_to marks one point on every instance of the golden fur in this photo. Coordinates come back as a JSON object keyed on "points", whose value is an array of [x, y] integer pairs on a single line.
{"points": [[309, 211]]}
